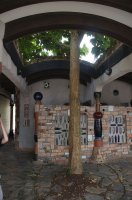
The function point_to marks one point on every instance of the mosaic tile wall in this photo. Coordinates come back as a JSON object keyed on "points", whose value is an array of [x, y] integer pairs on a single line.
{"points": [[62, 129], [117, 133], [54, 126]]}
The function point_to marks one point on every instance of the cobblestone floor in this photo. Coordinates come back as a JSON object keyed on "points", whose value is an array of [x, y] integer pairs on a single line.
{"points": [[24, 179]]}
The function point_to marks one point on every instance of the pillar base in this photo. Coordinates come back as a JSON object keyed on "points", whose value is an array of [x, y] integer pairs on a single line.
{"points": [[98, 142], [11, 135], [35, 158], [97, 154]]}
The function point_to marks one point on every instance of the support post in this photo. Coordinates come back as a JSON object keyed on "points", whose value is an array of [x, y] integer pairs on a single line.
{"points": [[98, 142], [38, 97], [97, 156], [11, 134], [17, 113]]}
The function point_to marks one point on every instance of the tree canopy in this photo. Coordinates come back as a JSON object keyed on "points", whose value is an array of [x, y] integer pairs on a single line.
{"points": [[101, 44], [56, 44]]}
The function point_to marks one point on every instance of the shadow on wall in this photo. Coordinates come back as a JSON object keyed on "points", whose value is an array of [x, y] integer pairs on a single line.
{"points": [[86, 103]]}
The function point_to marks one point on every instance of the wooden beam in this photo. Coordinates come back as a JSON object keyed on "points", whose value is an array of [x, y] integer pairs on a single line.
{"points": [[88, 22]]}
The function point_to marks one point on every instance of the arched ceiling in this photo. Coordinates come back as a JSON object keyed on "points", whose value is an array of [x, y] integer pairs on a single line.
{"points": [[6, 5], [36, 23], [60, 68], [56, 69], [105, 16]]}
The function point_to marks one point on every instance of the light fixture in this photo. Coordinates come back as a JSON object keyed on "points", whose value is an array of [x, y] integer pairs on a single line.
{"points": [[108, 71], [12, 97], [12, 100]]}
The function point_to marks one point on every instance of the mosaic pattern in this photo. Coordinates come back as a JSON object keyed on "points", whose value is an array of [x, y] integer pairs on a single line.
{"points": [[62, 129], [117, 130]]}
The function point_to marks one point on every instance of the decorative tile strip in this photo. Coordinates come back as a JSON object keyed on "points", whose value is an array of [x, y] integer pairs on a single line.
{"points": [[117, 129], [62, 129]]}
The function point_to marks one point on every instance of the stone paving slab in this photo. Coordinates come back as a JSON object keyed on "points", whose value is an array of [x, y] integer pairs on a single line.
{"points": [[24, 179]]}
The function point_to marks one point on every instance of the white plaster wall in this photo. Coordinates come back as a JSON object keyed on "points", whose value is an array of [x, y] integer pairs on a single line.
{"points": [[89, 96], [121, 68], [56, 94], [68, 6], [10, 70], [26, 134], [125, 93], [5, 112]]}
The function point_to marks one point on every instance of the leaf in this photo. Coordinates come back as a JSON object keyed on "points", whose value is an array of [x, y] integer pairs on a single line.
{"points": [[39, 46]]}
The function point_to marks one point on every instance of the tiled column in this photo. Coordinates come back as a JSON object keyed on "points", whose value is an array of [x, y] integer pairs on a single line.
{"points": [[98, 142], [97, 156], [38, 97]]}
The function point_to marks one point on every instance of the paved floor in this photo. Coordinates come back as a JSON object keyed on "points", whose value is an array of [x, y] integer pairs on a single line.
{"points": [[24, 179]]}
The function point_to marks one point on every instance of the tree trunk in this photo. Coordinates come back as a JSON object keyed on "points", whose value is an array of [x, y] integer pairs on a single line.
{"points": [[74, 130]]}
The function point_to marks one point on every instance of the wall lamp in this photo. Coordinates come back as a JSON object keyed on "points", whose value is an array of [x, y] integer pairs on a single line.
{"points": [[108, 71]]}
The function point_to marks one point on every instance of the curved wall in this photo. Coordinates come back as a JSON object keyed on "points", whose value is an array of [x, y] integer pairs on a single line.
{"points": [[68, 6], [56, 94], [124, 96]]}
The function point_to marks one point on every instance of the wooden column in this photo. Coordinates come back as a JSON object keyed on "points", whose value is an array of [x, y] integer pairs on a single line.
{"points": [[38, 97], [74, 130]]}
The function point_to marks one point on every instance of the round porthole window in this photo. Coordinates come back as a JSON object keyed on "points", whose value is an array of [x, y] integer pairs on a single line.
{"points": [[115, 92]]}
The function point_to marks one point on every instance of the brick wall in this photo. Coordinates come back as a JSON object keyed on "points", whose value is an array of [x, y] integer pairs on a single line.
{"points": [[49, 151]]}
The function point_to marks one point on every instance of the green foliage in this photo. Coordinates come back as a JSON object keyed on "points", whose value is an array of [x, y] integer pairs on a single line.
{"points": [[56, 44], [101, 44], [43, 45], [84, 50]]}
